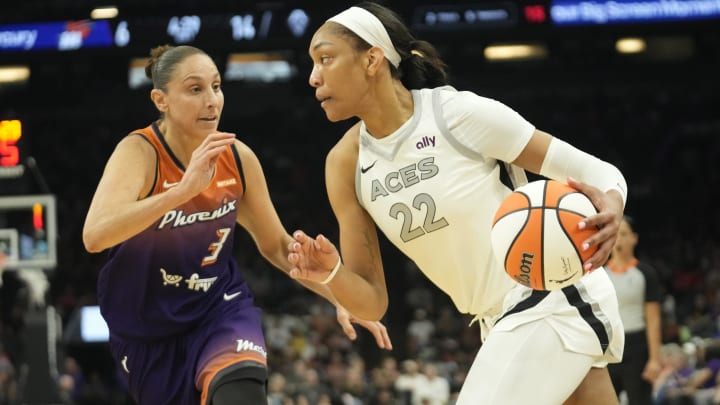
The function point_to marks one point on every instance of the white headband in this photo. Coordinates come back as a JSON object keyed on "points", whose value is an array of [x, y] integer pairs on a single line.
{"points": [[368, 27]]}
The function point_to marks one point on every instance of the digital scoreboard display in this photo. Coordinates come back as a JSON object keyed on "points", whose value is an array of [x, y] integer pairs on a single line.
{"points": [[598, 12], [228, 29], [293, 25], [10, 149], [61, 36]]}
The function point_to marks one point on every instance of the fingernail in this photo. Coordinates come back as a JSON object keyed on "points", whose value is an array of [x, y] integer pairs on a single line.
{"points": [[588, 266], [585, 246], [582, 225]]}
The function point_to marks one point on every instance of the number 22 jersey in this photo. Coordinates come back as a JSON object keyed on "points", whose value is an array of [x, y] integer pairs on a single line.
{"points": [[433, 187]]}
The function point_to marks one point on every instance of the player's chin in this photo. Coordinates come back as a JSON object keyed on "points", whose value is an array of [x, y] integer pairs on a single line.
{"points": [[335, 115]]}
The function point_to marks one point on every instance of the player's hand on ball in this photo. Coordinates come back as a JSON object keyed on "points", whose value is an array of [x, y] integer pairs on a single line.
{"points": [[312, 259], [378, 330], [610, 212]]}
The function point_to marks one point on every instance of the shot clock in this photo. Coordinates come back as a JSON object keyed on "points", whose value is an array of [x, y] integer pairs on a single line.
{"points": [[10, 152]]}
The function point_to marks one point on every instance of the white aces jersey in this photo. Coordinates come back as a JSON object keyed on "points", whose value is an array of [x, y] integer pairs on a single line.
{"points": [[433, 187]]}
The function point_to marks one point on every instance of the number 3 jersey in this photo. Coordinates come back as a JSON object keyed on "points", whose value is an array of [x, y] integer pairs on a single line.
{"points": [[168, 277], [433, 187]]}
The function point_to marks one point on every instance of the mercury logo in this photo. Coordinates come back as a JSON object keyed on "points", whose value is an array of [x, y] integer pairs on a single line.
{"points": [[245, 345]]}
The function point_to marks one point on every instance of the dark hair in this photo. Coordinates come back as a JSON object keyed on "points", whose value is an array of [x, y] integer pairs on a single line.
{"points": [[420, 65], [164, 59]]}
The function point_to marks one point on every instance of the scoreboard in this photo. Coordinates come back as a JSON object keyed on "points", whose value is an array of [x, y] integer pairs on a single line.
{"points": [[10, 153], [293, 25], [143, 32]]}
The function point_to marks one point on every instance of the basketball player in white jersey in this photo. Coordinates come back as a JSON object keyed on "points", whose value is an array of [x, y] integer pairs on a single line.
{"points": [[422, 165]]}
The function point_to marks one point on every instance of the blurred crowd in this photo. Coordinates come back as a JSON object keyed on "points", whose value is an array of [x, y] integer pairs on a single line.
{"points": [[662, 131]]}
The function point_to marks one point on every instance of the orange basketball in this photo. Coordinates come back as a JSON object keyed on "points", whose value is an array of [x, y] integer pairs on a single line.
{"points": [[535, 234]]}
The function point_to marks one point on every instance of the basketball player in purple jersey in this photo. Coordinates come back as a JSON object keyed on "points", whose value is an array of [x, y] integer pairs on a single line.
{"points": [[183, 325]]}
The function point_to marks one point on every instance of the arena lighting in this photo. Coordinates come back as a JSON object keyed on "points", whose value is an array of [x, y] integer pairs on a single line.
{"points": [[14, 74], [505, 52], [136, 73], [104, 13], [263, 67], [630, 45], [594, 12]]}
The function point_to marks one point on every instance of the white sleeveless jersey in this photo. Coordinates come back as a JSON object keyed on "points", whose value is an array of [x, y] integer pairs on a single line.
{"points": [[433, 187]]}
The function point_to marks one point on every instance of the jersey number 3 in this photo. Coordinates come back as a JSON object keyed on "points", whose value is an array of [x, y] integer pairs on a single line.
{"points": [[216, 247]]}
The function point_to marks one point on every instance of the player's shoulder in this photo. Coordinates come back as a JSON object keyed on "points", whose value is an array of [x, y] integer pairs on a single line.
{"points": [[138, 141], [459, 100], [242, 148]]}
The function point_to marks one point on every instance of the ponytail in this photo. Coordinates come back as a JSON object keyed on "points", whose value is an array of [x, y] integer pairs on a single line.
{"points": [[422, 67]]}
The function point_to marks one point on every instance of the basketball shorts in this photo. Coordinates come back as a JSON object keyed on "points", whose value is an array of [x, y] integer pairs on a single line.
{"points": [[179, 370], [543, 343]]}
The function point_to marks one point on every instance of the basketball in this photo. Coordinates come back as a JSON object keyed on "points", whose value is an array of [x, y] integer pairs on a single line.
{"points": [[535, 234]]}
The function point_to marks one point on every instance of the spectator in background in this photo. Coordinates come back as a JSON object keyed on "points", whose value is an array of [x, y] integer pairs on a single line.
{"points": [[639, 297], [420, 332], [703, 383], [408, 383], [669, 388], [435, 390], [71, 381], [276, 389]]}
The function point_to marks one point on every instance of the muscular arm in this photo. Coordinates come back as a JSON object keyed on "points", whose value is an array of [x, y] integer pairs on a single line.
{"points": [[118, 210], [360, 284], [598, 180]]}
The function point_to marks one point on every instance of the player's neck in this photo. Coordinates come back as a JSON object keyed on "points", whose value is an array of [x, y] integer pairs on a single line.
{"points": [[180, 144], [388, 111]]}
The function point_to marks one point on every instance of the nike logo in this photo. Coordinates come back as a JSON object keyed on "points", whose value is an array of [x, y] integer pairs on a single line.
{"points": [[170, 185], [124, 364], [365, 169], [228, 297]]}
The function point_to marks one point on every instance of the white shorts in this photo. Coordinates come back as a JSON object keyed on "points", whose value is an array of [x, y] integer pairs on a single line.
{"points": [[542, 344]]}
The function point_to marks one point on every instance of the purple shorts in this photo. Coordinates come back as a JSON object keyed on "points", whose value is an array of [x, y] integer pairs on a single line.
{"points": [[178, 370]]}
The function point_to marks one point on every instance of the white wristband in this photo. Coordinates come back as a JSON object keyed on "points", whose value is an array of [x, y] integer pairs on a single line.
{"points": [[563, 159], [333, 272]]}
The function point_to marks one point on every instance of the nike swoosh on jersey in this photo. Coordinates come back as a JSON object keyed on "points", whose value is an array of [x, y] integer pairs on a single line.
{"points": [[365, 169], [170, 185], [228, 297]]}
